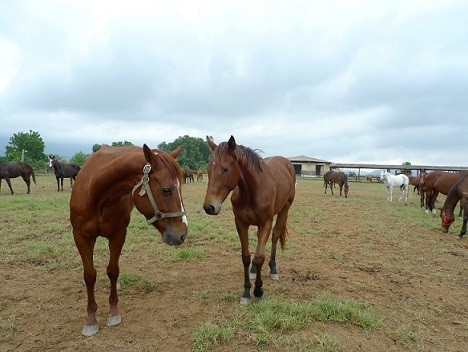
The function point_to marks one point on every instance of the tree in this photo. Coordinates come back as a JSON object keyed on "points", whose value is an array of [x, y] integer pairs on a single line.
{"points": [[30, 145], [96, 147], [195, 152], [121, 144], [79, 158]]}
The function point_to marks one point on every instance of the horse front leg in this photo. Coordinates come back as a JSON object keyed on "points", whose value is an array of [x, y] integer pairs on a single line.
{"points": [[464, 203], [115, 248], [7, 179], [85, 248], [389, 194], [243, 231], [263, 233]]}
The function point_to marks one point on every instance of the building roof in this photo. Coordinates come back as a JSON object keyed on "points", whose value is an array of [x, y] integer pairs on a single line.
{"points": [[307, 159]]}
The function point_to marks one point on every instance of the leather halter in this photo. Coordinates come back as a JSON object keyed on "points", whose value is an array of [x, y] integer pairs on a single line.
{"points": [[146, 189]]}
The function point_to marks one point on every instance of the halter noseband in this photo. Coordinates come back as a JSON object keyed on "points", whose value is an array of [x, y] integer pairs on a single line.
{"points": [[146, 189]]}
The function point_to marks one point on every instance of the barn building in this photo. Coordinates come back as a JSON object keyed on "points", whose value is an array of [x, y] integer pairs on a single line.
{"points": [[307, 166]]}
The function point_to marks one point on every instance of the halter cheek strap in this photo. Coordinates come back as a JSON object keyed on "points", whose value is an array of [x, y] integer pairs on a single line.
{"points": [[146, 189]]}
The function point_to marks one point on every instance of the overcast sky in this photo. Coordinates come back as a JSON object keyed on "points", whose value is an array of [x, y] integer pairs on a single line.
{"points": [[344, 81]]}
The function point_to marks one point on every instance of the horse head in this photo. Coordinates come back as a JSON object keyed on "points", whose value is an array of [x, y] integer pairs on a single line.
{"points": [[223, 174], [159, 198], [383, 176], [447, 220], [52, 160]]}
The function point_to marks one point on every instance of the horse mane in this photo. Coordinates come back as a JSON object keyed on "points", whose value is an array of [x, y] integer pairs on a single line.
{"points": [[170, 163], [245, 156]]}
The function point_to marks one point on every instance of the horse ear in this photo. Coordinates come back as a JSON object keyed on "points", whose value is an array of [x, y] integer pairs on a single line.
{"points": [[232, 144], [175, 153], [148, 153], [211, 144]]}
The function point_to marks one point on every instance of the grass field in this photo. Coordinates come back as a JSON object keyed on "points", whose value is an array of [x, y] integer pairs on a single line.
{"points": [[357, 274]]}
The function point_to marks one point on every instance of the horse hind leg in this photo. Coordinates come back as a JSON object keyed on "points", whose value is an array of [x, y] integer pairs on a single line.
{"points": [[279, 232], [27, 180]]}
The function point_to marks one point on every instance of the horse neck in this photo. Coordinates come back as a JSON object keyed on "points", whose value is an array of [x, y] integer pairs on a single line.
{"points": [[57, 166], [119, 178], [451, 201], [248, 180]]}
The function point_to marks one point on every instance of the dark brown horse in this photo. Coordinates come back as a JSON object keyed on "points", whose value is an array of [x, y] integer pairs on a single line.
{"points": [[438, 181], [13, 170], [262, 188], [63, 170], [188, 175], [338, 177], [111, 182], [458, 192]]}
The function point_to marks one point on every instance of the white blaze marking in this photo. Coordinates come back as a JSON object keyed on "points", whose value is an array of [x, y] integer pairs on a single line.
{"points": [[184, 217]]}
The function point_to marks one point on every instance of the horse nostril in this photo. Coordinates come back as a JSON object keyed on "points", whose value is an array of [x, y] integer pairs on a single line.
{"points": [[182, 238], [209, 209]]}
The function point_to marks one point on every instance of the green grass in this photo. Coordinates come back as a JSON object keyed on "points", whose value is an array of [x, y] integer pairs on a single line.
{"points": [[268, 321]]}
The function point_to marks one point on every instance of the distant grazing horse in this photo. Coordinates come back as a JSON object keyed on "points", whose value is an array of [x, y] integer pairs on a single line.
{"points": [[438, 181], [111, 182], [262, 188], [199, 175], [338, 177], [13, 170], [188, 175], [458, 192], [416, 182], [63, 170], [391, 181]]}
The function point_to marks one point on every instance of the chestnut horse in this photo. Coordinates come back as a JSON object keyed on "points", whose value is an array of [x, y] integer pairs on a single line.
{"points": [[13, 170], [338, 177], [416, 182], [438, 181], [110, 183], [458, 192], [262, 188]]}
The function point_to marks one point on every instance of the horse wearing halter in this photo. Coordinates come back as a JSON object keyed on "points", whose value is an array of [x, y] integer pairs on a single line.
{"points": [[146, 190]]}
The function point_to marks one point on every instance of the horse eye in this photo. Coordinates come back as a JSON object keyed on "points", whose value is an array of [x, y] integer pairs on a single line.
{"points": [[167, 192], [225, 170]]}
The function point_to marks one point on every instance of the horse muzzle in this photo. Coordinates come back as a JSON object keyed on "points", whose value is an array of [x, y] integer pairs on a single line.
{"points": [[211, 209], [174, 238]]}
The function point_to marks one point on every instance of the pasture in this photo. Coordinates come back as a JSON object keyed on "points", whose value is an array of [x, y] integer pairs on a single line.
{"points": [[357, 274]]}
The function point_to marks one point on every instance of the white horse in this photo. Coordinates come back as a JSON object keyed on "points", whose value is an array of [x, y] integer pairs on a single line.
{"points": [[391, 181]]}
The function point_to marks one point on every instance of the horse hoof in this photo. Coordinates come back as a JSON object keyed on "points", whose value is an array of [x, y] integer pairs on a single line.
{"points": [[244, 301], [90, 330], [274, 277], [114, 320]]}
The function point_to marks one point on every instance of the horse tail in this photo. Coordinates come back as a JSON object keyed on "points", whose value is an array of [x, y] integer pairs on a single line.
{"points": [[33, 176], [283, 236]]}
